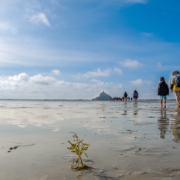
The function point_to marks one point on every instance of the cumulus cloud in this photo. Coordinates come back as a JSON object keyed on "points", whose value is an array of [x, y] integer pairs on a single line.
{"points": [[20, 77], [39, 18], [42, 80], [131, 63], [140, 82], [137, 82], [56, 72], [39, 87]]}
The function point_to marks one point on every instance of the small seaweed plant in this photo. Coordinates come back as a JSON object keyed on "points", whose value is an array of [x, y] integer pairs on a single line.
{"points": [[79, 148]]}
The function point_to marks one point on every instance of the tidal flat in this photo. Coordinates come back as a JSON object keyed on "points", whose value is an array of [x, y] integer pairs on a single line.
{"points": [[127, 141]]}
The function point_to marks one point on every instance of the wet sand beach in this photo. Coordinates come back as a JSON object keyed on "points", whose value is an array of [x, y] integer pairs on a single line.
{"points": [[127, 141]]}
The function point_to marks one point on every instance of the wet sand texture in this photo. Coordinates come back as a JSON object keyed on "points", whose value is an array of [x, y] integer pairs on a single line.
{"points": [[127, 141]]}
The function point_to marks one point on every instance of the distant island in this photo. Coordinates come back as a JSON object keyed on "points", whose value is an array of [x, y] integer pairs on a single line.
{"points": [[103, 97]]}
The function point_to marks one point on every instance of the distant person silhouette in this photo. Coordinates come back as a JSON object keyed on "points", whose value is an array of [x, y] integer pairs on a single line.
{"points": [[163, 91], [125, 96], [135, 96]]}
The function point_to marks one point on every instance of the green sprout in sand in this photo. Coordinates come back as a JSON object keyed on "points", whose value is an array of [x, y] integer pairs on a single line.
{"points": [[79, 148]]}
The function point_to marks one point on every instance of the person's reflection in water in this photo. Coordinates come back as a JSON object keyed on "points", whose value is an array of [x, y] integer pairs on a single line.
{"points": [[125, 109], [135, 109], [175, 128], [79, 177], [163, 124]]}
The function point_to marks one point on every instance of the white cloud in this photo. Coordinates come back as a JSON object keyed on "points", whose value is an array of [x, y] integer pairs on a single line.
{"points": [[136, 1], [98, 73], [56, 72], [19, 77], [40, 18], [42, 80], [130, 63], [40, 87], [117, 70], [139, 82]]}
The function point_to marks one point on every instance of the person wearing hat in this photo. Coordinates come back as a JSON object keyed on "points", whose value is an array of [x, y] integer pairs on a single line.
{"points": [[175, 86]]}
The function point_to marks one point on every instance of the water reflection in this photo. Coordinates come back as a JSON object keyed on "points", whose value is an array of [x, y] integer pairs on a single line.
{"points": [[175, 128], [135, 108], [79, 177], [125, 109], [163, 123]]}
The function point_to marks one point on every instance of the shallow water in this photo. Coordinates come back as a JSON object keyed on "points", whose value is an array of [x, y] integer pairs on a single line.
{"points": [[127, 141]]}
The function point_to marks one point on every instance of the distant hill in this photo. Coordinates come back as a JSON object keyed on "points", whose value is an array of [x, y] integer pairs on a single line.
{"points": [[103, 97]]}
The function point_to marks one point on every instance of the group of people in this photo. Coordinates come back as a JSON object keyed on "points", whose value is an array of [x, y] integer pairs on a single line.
{"points": [[135, 96], [163, 89], [126, 97]]}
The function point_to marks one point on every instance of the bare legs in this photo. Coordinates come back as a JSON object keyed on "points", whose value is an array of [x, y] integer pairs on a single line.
{"points": [[178, 98], [135, 100], [164, 102], [161, 101]]}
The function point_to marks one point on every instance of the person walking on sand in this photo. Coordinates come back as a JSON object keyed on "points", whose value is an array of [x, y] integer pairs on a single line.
{"points": [[163, 91], [135, 96], [175, 86], [125, 96]]}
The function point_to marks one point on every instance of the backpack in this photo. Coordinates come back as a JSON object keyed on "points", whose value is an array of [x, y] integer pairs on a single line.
{"points": [[178, 80], [135, 94]]}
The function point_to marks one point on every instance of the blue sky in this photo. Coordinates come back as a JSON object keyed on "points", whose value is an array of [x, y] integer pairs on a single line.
{"points": [[77, 48]]}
